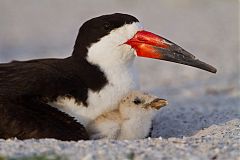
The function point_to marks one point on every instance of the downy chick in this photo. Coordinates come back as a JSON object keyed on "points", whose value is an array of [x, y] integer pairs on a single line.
{"points": [[131, 120]]}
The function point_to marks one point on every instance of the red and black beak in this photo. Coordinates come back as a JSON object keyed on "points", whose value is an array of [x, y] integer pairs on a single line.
{"points": [[150, 45]]}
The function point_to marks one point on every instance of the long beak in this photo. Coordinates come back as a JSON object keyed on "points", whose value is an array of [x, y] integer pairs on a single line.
{"points": [[150, 45]]}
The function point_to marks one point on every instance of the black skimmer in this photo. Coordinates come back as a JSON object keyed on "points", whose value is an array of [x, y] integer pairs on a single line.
{"points": [[93, 79], [131, 120]]}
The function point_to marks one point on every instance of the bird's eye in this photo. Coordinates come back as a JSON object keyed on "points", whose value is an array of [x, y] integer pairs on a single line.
{"points": [[137, 101], [107, 26]]}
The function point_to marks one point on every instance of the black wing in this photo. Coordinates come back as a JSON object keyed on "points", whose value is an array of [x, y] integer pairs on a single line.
{"points": [[50, 78], [25, 89]]}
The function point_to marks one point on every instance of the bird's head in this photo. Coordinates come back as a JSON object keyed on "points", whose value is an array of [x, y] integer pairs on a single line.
{"points": [[117, 38], [140, 103]]}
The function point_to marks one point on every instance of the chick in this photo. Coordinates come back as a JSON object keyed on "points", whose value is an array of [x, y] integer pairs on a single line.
{"points": [[131, 120]]}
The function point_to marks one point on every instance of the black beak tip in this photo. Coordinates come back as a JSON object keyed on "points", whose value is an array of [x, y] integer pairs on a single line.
{"points": [[213, 70], [178, 55], [202, 65]]}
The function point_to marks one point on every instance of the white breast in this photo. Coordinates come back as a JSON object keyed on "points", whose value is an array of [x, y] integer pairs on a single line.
{"points": [[121, 81]]}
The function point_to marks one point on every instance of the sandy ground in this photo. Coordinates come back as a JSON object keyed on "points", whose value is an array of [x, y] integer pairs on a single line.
{"points": [[202, 120], [216, 142]]}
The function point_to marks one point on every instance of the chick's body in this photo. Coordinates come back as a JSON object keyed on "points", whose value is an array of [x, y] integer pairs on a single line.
{"points": [[131, 120]]}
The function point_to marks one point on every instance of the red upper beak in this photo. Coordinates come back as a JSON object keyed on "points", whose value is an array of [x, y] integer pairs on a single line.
{"points": [[150, 45]]}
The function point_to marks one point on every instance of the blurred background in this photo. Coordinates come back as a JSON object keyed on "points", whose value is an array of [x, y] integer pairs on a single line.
{"points": [[32, 29]]}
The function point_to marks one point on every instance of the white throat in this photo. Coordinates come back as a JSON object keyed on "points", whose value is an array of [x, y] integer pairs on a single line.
{"points": [[115, 59]]}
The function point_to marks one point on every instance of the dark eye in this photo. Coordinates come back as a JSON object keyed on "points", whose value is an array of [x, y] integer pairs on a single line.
{"points": [[137, 101], [107, 26]]}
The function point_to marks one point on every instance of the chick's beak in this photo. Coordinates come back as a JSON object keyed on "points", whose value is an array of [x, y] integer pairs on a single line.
{"points": [[147, 44], [157, 103]]}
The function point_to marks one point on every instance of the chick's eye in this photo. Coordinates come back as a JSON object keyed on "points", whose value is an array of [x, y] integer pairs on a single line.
{"points": [[137, 101], [107, 26]]}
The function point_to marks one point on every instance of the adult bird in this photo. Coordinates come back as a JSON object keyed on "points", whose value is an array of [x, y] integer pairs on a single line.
{"points": [[38, 98]]}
